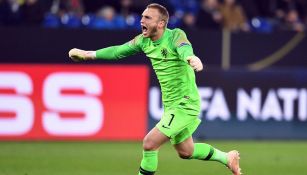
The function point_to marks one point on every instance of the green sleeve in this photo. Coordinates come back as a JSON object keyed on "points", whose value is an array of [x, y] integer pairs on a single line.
{"points": [[182, 45], [185, 51], [120, 51]]}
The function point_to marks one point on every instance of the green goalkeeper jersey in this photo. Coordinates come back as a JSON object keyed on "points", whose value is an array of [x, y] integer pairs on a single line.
{"points": [[168, 56]]}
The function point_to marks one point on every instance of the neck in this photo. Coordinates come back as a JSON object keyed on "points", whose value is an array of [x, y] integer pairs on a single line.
{"points": [[158, 35]]}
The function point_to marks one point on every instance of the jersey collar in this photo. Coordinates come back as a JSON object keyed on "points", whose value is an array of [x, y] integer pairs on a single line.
{"points": [[161, 38]]}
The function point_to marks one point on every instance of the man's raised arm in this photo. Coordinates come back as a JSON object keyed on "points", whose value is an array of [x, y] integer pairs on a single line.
{"points": [[108, 53]]}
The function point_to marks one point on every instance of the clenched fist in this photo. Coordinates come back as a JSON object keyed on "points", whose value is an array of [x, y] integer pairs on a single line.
{"points": [[195, 63], [80, 55]]}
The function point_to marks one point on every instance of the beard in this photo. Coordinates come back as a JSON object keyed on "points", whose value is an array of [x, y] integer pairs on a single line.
{"points": [[152, 32]]}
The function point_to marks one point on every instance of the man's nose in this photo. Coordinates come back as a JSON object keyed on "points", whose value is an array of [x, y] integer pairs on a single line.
{"points": [[142, 20]]}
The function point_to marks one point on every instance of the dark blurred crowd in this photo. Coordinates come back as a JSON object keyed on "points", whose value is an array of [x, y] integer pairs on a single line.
{"points": [[236, 15]]}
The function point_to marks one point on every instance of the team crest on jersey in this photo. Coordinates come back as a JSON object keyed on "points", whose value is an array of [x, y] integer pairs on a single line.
{"points": [[164, 52]]}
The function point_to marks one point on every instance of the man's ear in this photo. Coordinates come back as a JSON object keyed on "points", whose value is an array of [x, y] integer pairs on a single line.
{"points": [[161, 24]]}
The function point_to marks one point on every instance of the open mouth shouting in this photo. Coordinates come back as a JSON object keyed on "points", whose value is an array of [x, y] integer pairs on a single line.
{"points": [[144, 30]]}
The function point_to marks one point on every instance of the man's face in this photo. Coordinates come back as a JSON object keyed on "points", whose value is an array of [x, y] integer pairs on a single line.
{"points": [[150, 22]]}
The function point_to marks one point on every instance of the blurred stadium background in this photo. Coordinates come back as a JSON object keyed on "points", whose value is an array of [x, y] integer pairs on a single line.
{"points": [[60, 117]]}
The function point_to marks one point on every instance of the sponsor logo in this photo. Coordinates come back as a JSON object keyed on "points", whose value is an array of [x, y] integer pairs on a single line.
{"points": [[73, 102], [280, 104], [166, 127]]}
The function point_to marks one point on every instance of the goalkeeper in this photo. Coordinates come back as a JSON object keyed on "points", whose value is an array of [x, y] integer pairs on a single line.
{"points": [[174, 62]]}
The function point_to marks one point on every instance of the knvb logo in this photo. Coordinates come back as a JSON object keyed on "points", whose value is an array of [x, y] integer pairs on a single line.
{"points": [[164, 52]]}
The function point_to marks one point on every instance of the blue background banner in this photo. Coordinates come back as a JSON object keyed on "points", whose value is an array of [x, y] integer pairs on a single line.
{"points": [[240, 104]]}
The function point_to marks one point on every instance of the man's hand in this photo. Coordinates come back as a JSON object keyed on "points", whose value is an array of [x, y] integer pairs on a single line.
{"points": [[195, 63], [80, 55]]}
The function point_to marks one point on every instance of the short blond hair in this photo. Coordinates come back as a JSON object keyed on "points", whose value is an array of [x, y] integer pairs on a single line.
{"points": [[162, 10]]}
